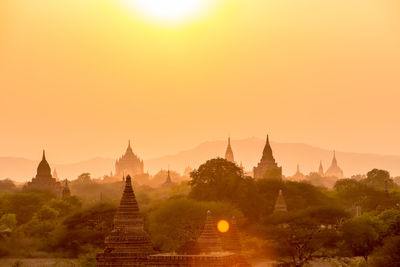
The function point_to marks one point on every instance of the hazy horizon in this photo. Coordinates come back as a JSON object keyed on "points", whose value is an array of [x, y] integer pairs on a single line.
{"points": [[79, 78]]}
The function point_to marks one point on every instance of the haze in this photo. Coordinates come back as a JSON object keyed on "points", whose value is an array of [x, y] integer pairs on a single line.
{"points": [[81, 77]]}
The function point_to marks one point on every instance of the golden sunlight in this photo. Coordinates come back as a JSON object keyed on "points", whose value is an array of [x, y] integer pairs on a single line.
{"points": [[171, 11], [223, 226]]}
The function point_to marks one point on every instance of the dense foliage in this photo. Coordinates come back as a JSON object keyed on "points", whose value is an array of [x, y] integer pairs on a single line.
{"points": [[351, 220]]}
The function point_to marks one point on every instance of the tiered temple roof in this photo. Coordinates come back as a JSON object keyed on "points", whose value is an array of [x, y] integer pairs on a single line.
{"points": [[266, 163], [280, 204], [127, 244], [233, 240], [209, 241], [129, 163]]}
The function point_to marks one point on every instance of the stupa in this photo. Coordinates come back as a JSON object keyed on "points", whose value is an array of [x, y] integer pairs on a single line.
{"points": [[128, 244]]}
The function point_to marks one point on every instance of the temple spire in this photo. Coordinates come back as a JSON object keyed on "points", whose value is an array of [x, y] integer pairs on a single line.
{"points": [[321, 169], [267, 152], [44, 155], [229, 153]]}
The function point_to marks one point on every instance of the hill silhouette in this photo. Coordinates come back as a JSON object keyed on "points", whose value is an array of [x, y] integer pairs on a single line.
{"points": [[248, 151]]}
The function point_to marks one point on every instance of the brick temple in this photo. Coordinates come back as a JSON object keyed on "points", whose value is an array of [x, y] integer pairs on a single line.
{"points": [[128, 245]]}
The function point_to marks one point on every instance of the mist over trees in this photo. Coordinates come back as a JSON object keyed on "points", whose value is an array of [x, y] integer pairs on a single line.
{"points": [[350, 220]]}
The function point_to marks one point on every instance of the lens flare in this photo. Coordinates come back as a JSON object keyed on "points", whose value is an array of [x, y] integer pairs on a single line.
{"points": [[223, 226]]}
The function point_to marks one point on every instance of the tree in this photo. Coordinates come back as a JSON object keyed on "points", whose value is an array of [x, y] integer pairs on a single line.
{"points": [[361, 235], [299, 236], [7, 186], [84, 178], [217, 179], [353, 192], [178, 221], [24, 204], [8, 220], [388, 254], [378, 178]]}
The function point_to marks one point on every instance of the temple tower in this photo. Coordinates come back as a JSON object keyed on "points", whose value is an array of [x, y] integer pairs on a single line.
{"points": [[44, 180], [233, 241], [280, 204], [209, 241], [266, 163], [168, 181], [66, 192], [128, 244], [321, 169], [298, 176], [334, 170], [229, 153], [129, 163]]}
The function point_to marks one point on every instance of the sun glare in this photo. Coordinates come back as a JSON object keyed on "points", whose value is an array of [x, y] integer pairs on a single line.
{"points": [[223, 226], [171, 11]]}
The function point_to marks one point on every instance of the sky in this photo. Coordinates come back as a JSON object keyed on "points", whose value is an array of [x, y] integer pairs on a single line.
{"points": [[81, 77]]}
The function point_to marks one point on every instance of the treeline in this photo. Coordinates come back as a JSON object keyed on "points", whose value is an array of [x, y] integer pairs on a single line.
{"points": [[356, 218]]}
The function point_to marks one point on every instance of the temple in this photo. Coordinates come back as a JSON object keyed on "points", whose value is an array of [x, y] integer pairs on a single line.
{"points": [[129, 163], [229, 153], [280, 204], [334, 170], [321, 170], [298, 176], [44, 179], [129, 245], [66, 192], [168, 181], [267, 163]]}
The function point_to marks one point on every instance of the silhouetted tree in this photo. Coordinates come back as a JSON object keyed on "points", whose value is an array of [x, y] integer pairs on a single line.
{"points": [[361, 235], [388, 254], [378, 178], [217, 179], [299, 236]]}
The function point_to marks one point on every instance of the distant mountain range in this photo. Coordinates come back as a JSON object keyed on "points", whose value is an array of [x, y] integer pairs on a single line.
{"points": [[248, 151]]}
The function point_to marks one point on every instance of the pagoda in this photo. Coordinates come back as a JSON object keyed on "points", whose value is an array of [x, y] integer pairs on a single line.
{"points": [[129, 163], [128, 244], [321, 169], [280, 204], [66, 192], [298, 176], [209, 241], [334, 170], [229, 152], [168, 181], [44, 180], [266, 163]]}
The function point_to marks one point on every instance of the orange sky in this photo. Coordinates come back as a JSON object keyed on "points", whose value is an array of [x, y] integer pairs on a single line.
{"points": [[80, 77]]}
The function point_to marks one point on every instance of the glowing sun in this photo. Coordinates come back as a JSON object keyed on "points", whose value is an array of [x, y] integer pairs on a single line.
{"points": [[170, 10], [223, 226]]}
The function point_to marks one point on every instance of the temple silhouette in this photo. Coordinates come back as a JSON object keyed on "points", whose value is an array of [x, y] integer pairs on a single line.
{"points": [[44, 179], [129, 245], [229, 152], [129, 163], [266, 163], [334, 170]]}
